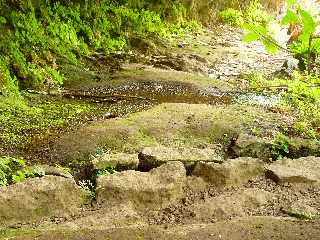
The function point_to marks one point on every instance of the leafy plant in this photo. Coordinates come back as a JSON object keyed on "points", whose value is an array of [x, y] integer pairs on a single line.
{"points": [[89, 190], [307, 45], [106, 171], [281, 146], [231, 16], [14, 170]]}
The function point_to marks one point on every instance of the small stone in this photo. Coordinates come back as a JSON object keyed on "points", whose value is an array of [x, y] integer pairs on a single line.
{"points": [[51, 170], [235, 204]]}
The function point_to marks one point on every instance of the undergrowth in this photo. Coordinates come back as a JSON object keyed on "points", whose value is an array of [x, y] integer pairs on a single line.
{"points": [[19, 120], [14, 170], [36, 34], [253, 13], [300, 95]]}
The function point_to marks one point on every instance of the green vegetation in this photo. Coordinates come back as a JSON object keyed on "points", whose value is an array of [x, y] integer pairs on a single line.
{"points": [[89, 190], [303, 215], [307, 45], [280, 146], [19, 119], [14, 170], [253, 13], [36, 34], [300, 95]]}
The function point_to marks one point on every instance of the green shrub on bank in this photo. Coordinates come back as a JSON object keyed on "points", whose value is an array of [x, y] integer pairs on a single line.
{"points": [[253, 13], [36, 33], [300, 95]]}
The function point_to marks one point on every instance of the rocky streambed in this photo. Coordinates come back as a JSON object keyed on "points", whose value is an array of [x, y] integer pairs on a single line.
{"points": [[195, 160]]}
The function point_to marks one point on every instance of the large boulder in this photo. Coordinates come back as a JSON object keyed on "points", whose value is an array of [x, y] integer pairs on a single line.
{"points": [[144, 190], [304, 170], [119, 161], [39, 198], [231, 172], [151, 157]]}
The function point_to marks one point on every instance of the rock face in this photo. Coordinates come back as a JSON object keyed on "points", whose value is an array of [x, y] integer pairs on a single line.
{"points": [[39, 198], [231, 172], [251, 146], [144, 190], [120, 161], [151, 157], [304, 170]]}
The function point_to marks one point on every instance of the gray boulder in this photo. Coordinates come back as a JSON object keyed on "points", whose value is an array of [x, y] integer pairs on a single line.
{"points": [[231, 172], [39, 198], [144, 190]]}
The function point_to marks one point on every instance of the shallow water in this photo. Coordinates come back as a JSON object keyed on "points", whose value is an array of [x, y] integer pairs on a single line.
{"points": [[258, 99]]}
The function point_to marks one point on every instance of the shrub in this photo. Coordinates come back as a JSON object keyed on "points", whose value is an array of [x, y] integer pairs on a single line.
{"points": [[34, 30], [14, 170]]}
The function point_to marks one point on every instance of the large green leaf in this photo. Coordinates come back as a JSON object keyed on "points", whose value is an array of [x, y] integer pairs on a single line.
{"points": [[308, 23], [250, 37], [269, 46], [290, 17]]}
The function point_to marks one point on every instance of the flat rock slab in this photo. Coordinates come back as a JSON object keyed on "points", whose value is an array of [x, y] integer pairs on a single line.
{"points": [[151, 157], [304, 170], [39, 198], [231, 172], [119, 161], [144, 190]]}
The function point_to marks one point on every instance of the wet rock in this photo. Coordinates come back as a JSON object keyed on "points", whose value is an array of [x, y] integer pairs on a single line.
{"points": [[230, 205], [250, 146], [39, 198], [304, 170], [145, 190], [151, 157], [119, 161], [231, 172]]}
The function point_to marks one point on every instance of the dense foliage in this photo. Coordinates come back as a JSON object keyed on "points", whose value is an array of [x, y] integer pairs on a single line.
{"points": [[14, 170], [35, 34]]}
